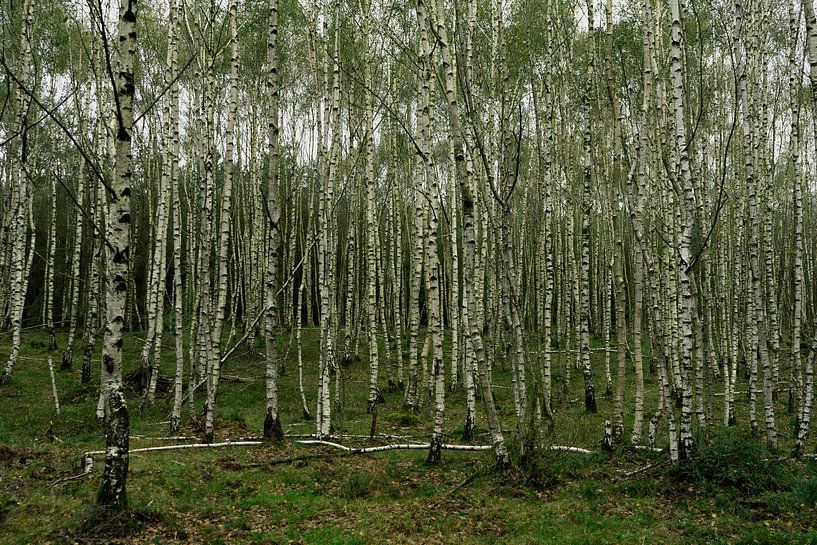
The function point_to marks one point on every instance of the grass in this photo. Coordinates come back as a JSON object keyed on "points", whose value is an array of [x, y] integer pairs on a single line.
{"points": [[735, 492]]}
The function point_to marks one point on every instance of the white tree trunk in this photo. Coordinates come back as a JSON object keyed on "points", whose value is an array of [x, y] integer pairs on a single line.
{"points": [[113, 491]]}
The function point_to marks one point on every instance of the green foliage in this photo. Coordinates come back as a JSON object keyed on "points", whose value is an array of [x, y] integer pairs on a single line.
{"points": [[234, 496], [806, 493], [541, 469], [761, 535], [365, 485], [358, 485], [736, 461], [403, 419], [6, 503], [540, 472]]}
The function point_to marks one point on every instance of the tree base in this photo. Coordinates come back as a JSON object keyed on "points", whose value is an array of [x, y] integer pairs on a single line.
{"points": [[272, 427], [590, 400], [67, 360], [373, 412], [502, 461], [434, 451], [686, 448], [86, 370], [113, 492], [469, 429], [618, 433], [607, 440]]}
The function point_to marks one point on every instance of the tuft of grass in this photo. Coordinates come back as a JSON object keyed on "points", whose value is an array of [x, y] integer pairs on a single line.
{"points": [[358, 485], [403, 419], [6, 504], [806, 493]]}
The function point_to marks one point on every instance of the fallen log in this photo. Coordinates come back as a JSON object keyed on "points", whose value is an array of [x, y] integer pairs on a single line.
{"points": [[89, 455]]}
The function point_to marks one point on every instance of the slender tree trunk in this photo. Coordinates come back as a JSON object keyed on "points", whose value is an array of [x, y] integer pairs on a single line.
{"points": [[20, 193], [807, 395], [91, 315], [76, 280], [49, 276], [113, 490], [272, 421], [172, 164], [686, 229], [755, 235], [501, 456], [371, 230]]}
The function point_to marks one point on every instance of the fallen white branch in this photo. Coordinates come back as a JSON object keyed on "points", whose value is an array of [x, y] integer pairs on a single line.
{"points": [[88, 456], [648, 449], [579, 450], [87, 467], [645, 469], [167, 438], [398, 446], [348, 436], [92, 453]]}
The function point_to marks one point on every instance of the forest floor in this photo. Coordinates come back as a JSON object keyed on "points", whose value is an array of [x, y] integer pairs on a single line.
{"points": [[736, 491]]}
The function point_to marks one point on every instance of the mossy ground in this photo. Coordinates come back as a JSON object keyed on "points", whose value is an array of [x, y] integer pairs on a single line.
{"points": [[241, 495]]}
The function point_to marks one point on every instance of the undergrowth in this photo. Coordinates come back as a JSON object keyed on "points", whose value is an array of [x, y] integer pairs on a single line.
{"points": [[735, 461]]}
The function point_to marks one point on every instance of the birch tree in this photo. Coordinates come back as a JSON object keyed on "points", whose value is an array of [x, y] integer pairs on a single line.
{"points": [[20, 192], [272, 421], [114, 478]]}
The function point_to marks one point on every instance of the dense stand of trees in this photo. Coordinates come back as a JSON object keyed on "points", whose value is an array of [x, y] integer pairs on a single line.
{"points": [[447, 190]]}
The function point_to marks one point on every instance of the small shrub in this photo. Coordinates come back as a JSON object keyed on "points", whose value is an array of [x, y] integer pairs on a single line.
{"points": [[357, 486], [738, 462], [806, 493], [365, 485], [6, 504], [538, 469], [540, 473], [403, 419]]}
